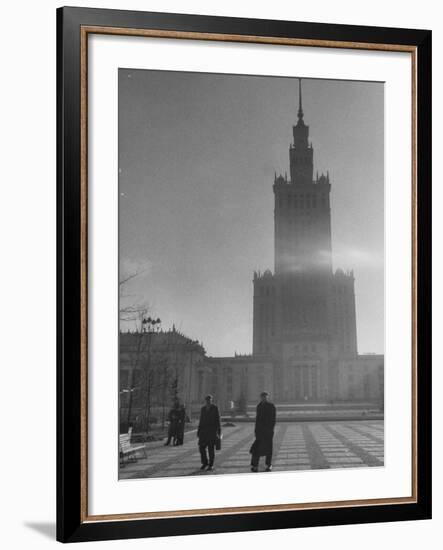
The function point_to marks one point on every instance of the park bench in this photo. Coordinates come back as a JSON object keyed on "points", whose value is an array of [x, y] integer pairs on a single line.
{"points": [[128, 449]]}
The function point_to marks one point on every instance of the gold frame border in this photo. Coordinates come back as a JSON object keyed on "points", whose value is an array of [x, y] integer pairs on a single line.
{"points": [[84, 32]]}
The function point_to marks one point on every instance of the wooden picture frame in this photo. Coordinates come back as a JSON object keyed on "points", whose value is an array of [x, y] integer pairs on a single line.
{"points": [[74, 25]]}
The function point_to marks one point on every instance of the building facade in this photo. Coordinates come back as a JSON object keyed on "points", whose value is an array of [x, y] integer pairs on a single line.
{"points": [[304, 347], [154, 369], [304, 312], [362, 379]]}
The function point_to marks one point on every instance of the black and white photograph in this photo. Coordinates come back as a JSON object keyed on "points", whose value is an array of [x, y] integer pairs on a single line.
{"points": [[251, 274]]}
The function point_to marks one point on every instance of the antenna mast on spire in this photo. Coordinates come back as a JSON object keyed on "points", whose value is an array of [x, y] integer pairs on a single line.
{"points": [[300, 108]]}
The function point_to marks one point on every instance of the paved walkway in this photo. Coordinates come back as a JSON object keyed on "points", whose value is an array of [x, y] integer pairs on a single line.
{"points": [[297, 446]]}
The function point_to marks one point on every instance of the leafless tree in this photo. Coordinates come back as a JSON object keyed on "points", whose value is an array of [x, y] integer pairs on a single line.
{"points": [[131, 307]]}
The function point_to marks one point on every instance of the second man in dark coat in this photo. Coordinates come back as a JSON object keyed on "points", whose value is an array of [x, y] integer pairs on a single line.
{"points": [[264, 433], [209, 429]]}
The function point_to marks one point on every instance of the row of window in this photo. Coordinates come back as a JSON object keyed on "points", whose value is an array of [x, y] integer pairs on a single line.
{"points": [[301, 160], [300, 226], [305, 348], [305, 381], [267, 291], [293, 230], [298, 219], [364, 369], [342, 289], [300, 201]]}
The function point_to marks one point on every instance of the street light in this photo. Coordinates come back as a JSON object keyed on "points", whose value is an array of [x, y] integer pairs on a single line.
{"points": [[150, 326], [193, 344], [130, 391]]}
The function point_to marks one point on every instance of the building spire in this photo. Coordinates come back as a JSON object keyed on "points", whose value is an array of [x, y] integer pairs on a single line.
{"points": [[300, 108]]}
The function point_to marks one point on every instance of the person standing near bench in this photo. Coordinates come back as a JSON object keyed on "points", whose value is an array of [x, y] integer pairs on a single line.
{"points": [[180, 429], [264, 433], [173, 418], [209, 429]]}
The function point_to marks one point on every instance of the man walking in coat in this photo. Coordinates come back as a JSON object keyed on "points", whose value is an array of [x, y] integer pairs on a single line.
{"points": [[264, 433], [208, 431]]}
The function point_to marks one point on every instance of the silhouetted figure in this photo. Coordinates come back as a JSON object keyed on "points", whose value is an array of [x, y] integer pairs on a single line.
{"points": [[173, 418], [264, 433], [180, 426], [209, 429]]}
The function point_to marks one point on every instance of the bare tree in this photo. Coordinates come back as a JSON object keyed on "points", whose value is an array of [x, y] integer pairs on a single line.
{"points": [[131, 307], [136, 311], [148, 357]]}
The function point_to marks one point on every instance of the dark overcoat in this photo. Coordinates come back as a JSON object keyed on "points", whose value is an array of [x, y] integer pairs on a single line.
{"points": [[264, 429], [209, 426], [180, 430], [173, 419]]}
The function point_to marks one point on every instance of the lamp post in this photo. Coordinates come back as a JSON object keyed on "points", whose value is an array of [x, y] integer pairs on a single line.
{"points": [[130, 391], [191, 345], [149, 326], [153, 325]]}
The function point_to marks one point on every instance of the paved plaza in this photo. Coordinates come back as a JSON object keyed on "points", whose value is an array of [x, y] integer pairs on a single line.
{"points": [[297, 446]]}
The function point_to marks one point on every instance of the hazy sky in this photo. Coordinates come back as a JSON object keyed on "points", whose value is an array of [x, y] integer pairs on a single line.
{"points": [[197, 154]]}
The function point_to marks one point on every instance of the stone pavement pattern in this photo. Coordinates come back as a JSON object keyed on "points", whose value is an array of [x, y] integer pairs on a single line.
{"points": [[297, 446]]}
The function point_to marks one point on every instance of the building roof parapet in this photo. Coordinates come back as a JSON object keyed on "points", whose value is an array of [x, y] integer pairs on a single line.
{"points": [[341, 274], [280, 180], [163, 339], [267, 274], [323, 179]]}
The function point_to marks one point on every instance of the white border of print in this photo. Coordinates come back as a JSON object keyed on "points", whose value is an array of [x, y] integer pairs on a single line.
{"points": [[107, 495]]}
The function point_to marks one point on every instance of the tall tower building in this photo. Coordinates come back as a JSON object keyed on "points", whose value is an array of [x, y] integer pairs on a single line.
{"points": [[304, 313], [302, 210]]}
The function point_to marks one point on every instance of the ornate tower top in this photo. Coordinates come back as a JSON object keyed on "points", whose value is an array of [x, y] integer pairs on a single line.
{"points": [[302, 210], [300, 151], [300, 108]]}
